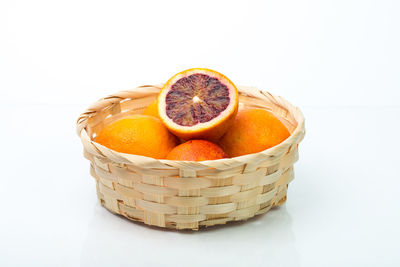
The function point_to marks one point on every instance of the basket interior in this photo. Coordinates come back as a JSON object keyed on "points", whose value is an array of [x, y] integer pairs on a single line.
{"points": [[129, 106]]}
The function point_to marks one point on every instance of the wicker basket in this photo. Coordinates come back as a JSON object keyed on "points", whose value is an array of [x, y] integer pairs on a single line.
{"points": [[187, 195]]}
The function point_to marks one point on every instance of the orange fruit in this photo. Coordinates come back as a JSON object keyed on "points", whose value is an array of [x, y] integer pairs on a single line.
{"points": [[196, 150], [198, 104], [152, 109], [138, 134], [254, 130]]}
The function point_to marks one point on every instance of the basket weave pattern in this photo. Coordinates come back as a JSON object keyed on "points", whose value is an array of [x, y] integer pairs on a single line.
{"points": [[187, 195]]}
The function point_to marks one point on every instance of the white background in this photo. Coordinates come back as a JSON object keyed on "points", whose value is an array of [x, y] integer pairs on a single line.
{"points": [[337, 60]]}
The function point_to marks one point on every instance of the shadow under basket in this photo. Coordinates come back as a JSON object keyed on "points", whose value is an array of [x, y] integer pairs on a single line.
{"points": [[184, 194]]}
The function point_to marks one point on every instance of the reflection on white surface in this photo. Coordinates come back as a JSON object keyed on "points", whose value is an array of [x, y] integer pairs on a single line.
{"points": [[264, 240], [342, 207]]}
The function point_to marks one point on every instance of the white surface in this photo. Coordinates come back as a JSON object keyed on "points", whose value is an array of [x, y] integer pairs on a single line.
{"points": [[337, 60], [338, 52], [342, 208]]}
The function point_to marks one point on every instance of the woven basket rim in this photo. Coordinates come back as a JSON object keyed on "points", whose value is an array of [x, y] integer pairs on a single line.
{"points": [[295, 137]]}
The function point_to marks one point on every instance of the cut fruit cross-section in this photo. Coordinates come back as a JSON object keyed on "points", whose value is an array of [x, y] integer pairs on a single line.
{"points": [[198, 104]]}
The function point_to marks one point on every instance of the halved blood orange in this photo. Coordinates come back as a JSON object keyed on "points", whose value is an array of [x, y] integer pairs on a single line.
{"points": [[198, 104]]}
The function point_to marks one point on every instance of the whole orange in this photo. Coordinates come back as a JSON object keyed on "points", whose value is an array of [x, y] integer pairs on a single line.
{"points": [[138, 134], [196, 150], [152, 109], [253, 130]]}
